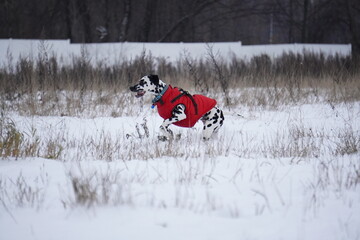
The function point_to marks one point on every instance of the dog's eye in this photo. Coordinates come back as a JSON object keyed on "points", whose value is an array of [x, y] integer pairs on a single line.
{"points": [[142, 83]]}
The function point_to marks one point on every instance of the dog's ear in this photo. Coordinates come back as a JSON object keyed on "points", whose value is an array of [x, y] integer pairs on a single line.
{"points": [[154, 79]]}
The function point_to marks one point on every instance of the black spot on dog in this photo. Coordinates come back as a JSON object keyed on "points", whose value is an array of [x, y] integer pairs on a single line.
{"points": [[209, 125], [154, 79], [216, 117]]}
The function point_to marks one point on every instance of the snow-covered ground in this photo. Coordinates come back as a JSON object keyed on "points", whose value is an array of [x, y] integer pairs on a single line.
{"points": [[267, 175]]}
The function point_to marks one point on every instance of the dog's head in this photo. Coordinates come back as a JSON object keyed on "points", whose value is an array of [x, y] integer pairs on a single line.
{"points": [[150, 83]]}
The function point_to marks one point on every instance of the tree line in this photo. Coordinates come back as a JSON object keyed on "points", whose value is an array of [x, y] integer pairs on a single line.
{"points": [[248, 21]]}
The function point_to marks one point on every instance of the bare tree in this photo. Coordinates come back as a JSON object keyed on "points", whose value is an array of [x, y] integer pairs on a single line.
{"points": [[304, 24], [291, 21], [353, 14], [198, 7], [67, 16], [150, 12], [125, 21]]}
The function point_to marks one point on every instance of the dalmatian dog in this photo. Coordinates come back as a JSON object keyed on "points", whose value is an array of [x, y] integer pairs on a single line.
{"points": [[180, 108]]}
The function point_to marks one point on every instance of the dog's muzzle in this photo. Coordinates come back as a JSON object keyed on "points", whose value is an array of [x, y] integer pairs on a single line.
{"points": [[139, 93]]}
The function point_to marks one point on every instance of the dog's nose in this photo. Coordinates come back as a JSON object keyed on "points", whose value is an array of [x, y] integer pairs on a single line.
{"points": [[133, 89]]}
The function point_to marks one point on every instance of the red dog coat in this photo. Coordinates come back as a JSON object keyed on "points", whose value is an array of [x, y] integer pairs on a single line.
{"points": [[173, 97]]}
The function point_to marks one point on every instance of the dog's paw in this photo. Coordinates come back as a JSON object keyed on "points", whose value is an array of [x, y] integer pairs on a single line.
{"points": [[166, 131], [171, 134], [162, 138], [170, 138], [178, 136]]}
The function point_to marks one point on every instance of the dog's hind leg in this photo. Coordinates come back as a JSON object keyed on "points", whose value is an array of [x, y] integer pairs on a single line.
{"points": [[177, 114], [212, 120]]}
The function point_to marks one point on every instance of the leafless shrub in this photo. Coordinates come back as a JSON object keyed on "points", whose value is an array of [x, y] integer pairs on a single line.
{"points": [[95, 187], [11, 139], [53, 149], [145, 130], [196, 72], [332, 177], [220, 70], [353, 177], [294, 142], [299, 141], [23, 192], [32, 143], [16, 143], [348, 142]]}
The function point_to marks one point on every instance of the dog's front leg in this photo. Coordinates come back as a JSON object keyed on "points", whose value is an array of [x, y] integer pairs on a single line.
{"points": [[177, 114]]}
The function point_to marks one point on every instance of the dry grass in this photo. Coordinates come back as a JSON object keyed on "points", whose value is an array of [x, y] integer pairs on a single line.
{"points": [[42, 86]]}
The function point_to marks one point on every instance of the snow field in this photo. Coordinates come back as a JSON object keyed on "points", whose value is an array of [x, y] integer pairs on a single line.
{"points": [[281, 174]]}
